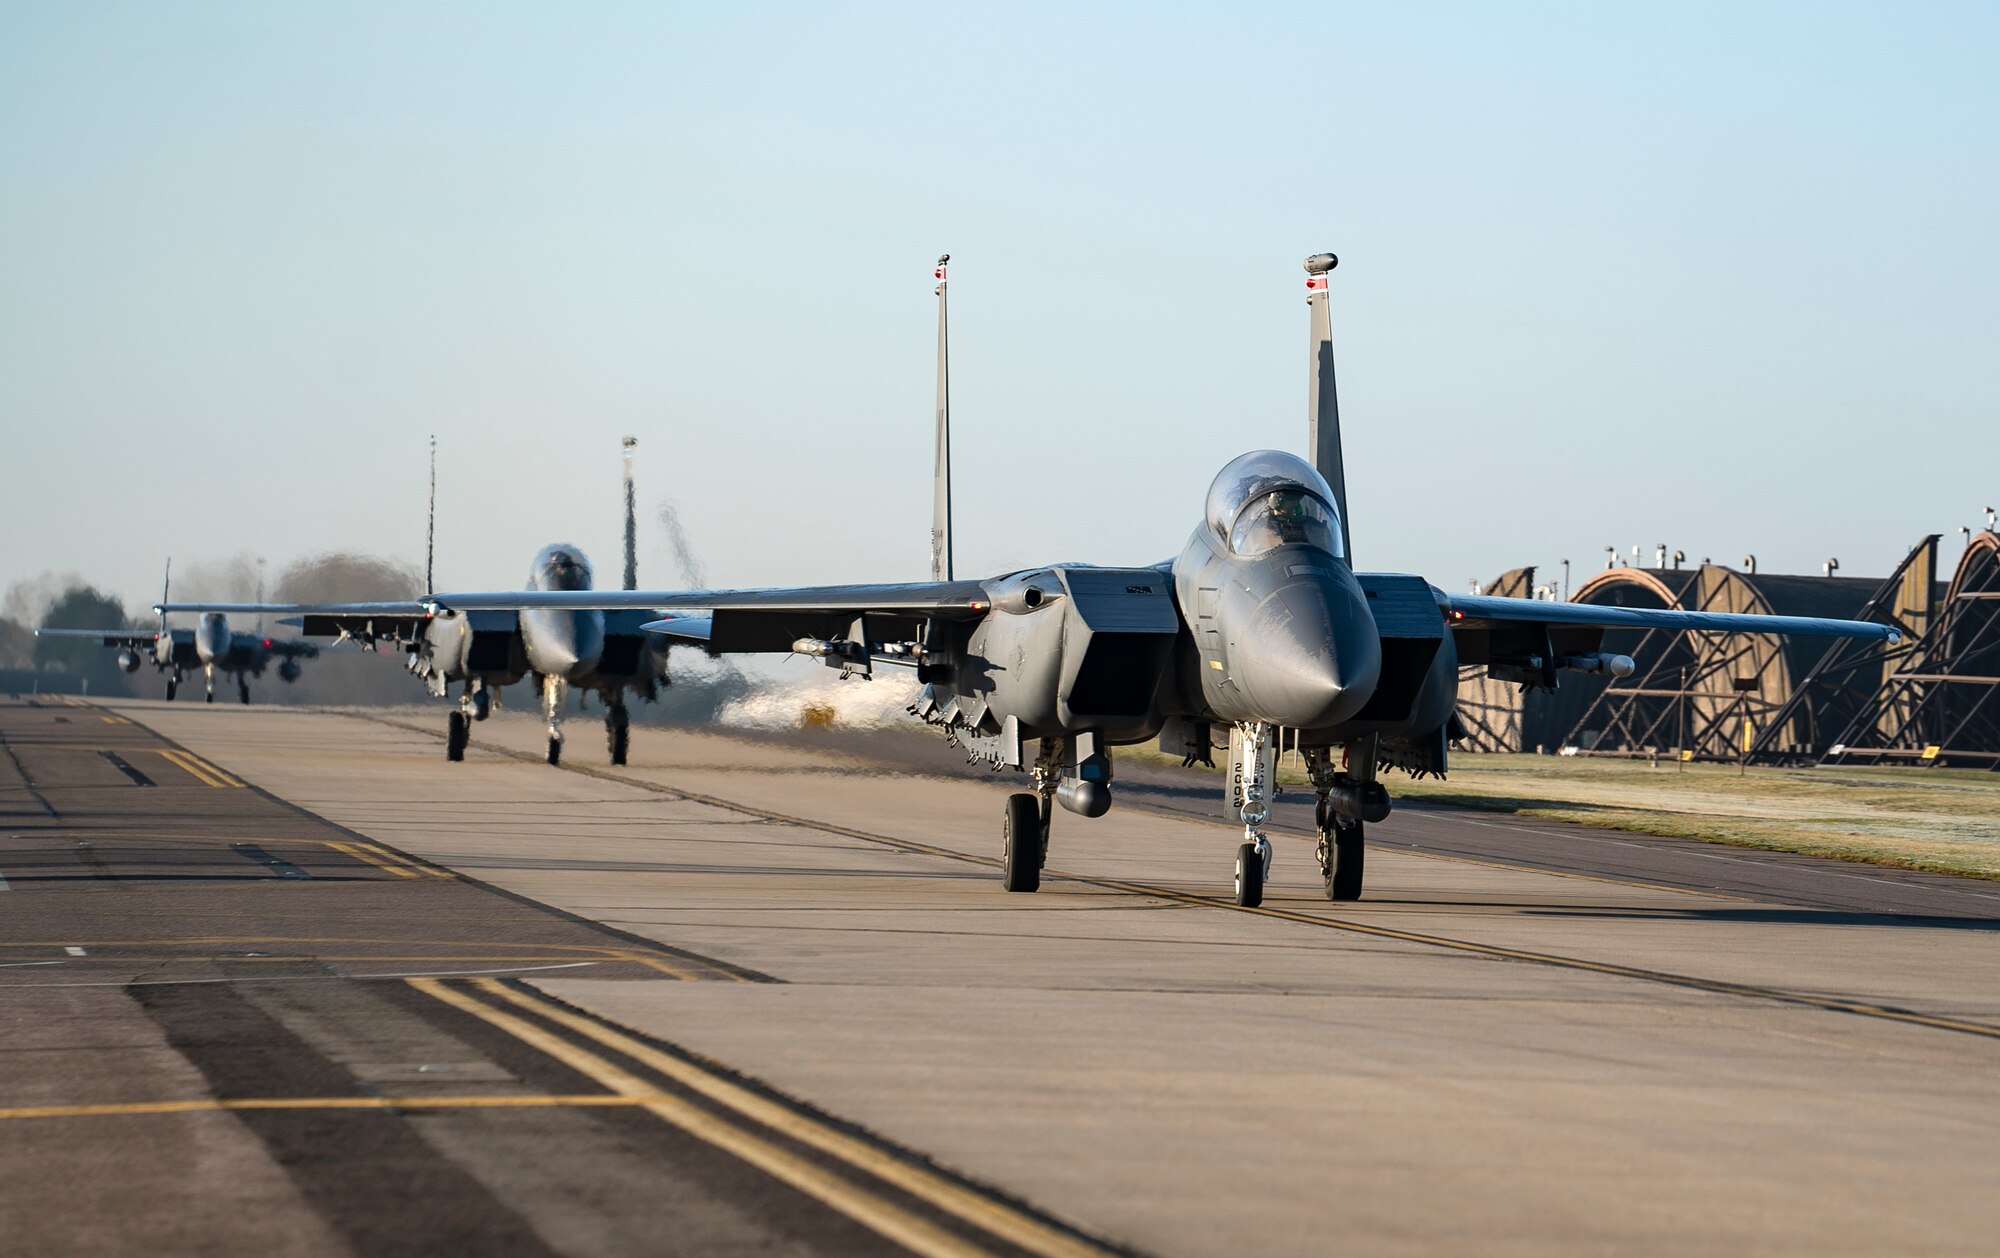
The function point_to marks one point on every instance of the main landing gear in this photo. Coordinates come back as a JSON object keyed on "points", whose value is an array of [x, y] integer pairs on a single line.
{"points": [[618, 730], [1026, 831], [173, 684], [1345, 799], [476, 704], [243, 689]]}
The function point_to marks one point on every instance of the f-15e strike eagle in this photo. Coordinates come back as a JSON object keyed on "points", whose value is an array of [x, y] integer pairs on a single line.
{"points": [[585, 649], [210, 646], [1260, 629]]}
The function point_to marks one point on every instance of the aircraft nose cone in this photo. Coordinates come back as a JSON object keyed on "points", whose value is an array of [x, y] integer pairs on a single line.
{"points": [[563, 644], [1310, 656]]}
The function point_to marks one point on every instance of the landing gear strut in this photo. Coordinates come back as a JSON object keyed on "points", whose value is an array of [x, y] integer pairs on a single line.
{"points": [[552, 705], [1253, 766], [618, 730], [243, 689], [208, 684]]}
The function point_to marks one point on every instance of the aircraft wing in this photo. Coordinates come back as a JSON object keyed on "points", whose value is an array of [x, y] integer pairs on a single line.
{"points": [[326, 620], [105, 637], [952, 600], [770, 621], [1485, 611]]}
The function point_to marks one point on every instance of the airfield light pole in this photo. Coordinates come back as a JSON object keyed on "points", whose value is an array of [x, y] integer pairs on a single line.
{"points": [[1565, 580], [631, 522], [431, 527], [941, 568]]}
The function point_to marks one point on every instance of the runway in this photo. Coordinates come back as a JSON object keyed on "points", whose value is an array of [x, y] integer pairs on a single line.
{"points": [[1528, 1038]]}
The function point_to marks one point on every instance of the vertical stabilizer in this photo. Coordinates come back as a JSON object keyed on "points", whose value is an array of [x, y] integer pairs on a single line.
{"points": [[1323, 440], [941, 474], [631, 522]]}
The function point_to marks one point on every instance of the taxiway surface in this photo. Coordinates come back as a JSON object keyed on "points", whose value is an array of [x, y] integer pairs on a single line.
{"points": [[1526, 1039]]}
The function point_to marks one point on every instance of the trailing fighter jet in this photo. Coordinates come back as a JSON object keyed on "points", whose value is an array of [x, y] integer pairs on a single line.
{"points": [[209, 646], [607, 654], [1261, 631]]}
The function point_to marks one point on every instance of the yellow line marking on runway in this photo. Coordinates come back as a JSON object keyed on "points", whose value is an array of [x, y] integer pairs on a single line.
{"points": [[116, 720], [395, 862], [210, 1105], [856, 1202], [361, 854], [919, 1181], [200, 768]]}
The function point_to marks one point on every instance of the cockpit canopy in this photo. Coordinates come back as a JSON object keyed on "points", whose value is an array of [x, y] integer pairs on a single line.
{"points": [[1268, 498], [560, 567]]}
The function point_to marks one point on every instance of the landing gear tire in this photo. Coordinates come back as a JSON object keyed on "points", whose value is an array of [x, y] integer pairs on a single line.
{"points": [[243, 691], [1343, 856], [208, 697], [457, 733], [173, 685], [555, 751], [618, 727], [482, 704], [1026, 844], [1249, 876]]}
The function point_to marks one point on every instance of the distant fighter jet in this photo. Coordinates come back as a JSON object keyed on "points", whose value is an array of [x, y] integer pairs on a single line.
{"points": [[607, 654], [209, 646], [1260, 632]]}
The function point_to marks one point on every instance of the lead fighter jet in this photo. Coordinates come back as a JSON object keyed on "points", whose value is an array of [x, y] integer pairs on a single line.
{"points": [[1260, 629]]}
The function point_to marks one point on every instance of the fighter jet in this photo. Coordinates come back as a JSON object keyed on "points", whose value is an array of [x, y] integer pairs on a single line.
{"points": [[588, 650], [210, 646], [1260, 632]]}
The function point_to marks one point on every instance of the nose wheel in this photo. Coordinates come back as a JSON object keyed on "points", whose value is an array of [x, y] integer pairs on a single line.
{"points": [[1253, 869], [555, 748]]}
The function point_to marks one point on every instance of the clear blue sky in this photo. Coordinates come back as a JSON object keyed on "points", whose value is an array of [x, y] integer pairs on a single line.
{"points": [[1718, 275]]}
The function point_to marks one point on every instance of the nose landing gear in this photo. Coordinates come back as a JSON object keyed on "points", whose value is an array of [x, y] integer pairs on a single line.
{"points": [[243, 689], [1253, 773], [553, 689]]}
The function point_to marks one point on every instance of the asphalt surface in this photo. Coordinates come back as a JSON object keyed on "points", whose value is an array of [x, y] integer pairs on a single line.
{"points": [[231, 1026], [1525, 1040]]}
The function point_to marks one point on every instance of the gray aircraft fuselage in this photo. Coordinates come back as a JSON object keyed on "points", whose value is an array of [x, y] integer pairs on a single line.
{"points": [[1259, 619]]}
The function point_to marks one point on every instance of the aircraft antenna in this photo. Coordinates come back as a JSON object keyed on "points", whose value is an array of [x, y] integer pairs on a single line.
{"points": [[631, 522], [166, 587], [941, 474], [1323, 439], [431, 527]]}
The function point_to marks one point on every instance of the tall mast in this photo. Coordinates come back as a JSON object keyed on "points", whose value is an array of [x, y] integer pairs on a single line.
{"points": [[941, 569], [631, 522]]}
